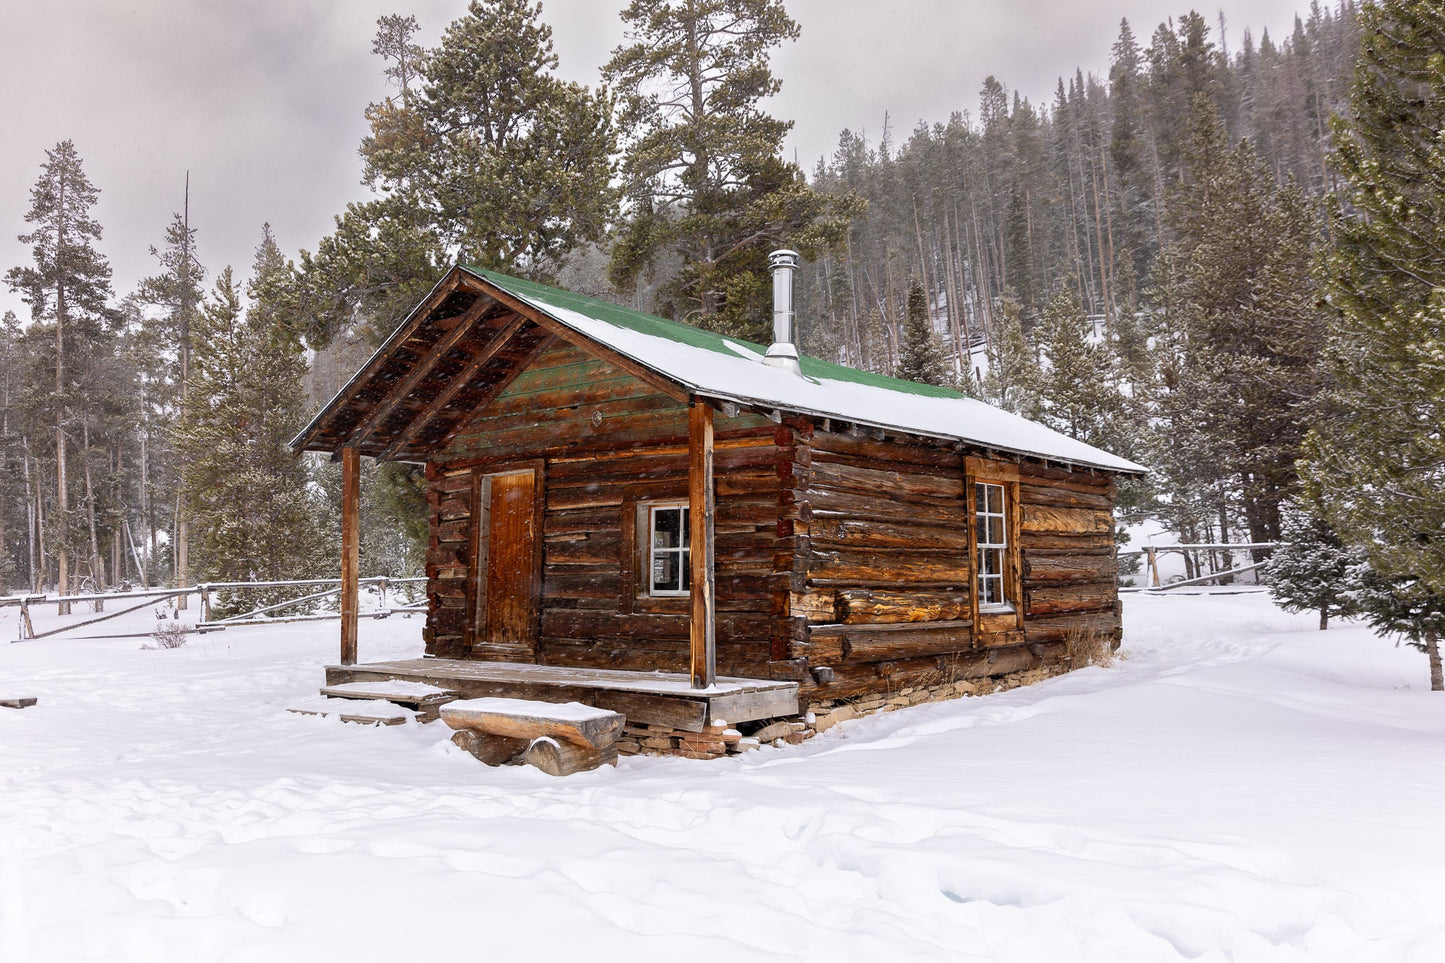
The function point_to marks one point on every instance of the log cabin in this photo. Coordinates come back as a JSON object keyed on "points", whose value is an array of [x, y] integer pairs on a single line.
{"points": [[688, 528]]}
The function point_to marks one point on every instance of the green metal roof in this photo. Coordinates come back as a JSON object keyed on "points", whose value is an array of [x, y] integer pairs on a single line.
{"points": [[697, 337]]}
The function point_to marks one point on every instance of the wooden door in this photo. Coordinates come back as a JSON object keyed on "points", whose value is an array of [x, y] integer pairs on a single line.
{"points": [[505, 566]]}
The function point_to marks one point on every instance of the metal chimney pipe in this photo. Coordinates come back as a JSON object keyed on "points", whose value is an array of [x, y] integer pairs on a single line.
{"points": [[783, 353]]}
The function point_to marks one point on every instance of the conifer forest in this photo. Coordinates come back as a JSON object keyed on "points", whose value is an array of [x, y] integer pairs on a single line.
{"points": [[1224, 259]]}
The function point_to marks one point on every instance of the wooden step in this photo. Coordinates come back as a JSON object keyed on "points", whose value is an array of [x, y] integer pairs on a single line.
{"points": [[425, 699], [18, 703], [368, 712]]}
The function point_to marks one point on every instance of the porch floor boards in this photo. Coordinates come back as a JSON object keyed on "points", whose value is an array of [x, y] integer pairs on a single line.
{"points": [[654, 698]]}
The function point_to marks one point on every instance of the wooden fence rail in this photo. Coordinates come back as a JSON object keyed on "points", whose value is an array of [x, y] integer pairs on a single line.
{"points": [[1152, 552], [203, 590]]}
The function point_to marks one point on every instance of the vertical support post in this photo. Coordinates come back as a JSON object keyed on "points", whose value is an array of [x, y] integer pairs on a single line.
{"points": [[1153, 567], [350, 550], [205, 591], [701, 509]]}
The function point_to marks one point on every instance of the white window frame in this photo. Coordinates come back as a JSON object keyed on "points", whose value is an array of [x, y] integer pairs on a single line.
{"points": [[683, 551], [996, 550]]}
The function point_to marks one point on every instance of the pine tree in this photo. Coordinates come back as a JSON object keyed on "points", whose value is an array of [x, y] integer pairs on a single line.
{"points": [[701, 167], [494, 162], [174, 297], [921, 359], [1312, 571], [1078, 386], [248, 493], [1405, 607], [1013, 373], [68, 289], [1376, 463], [1236, 286]]}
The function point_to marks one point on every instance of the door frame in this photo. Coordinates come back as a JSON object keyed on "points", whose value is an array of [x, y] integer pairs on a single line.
{"points": [[478, 545]]}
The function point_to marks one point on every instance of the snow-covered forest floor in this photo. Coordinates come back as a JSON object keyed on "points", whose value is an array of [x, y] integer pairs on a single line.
{"points": [[1237, 786]]}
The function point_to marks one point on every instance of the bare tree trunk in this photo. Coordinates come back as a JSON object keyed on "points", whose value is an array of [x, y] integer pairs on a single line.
{"points": [[97, 568], [1324, 616], [1432, 652]]}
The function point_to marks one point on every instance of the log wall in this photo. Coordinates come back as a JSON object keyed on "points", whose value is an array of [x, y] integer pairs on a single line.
{"points": [[844, 559], [886, 599], [607, 442]]}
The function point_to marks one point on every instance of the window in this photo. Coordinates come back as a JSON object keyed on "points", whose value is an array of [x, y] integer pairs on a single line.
{"points": [[990, 521], [670, 552]]}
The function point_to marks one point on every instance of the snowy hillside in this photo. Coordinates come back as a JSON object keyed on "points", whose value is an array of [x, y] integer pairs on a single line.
{"points": [[1237, 786]]}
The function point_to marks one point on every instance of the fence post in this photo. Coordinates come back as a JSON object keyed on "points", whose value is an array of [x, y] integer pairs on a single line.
{"points": [[381, 588], [1153, 567], [205, 590], [27, 627]]}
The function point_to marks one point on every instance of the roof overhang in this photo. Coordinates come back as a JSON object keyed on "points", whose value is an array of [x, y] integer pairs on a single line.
{"points": [[475, 331]]}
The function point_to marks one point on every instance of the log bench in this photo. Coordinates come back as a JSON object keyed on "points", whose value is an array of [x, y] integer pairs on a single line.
{"points": [[557, 738], [22, 703]]}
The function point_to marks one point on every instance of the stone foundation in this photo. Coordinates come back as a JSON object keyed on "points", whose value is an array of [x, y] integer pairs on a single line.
{"points": [[722, 739]]}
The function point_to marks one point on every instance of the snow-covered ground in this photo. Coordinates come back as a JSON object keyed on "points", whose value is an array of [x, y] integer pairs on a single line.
{"points": [[1237, 787]]}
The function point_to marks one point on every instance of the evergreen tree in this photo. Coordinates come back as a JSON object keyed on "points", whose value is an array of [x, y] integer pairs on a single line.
{"points": [[703, 177], [1237, 289], [1376, 464], [493, 162], [1013, 372], [1313, 570], [921, 359], [1405, 607], [163, 353], [1078, 386], [248, 493], [68, 289]]}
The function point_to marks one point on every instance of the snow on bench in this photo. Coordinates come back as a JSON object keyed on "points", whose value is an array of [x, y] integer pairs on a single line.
{"points": [[558, 738]]}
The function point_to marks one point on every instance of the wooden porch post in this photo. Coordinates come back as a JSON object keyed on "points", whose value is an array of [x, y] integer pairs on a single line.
{"points": [[700, 502], [350, 550]]}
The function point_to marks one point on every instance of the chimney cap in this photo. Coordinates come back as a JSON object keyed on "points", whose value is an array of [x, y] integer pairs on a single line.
{"points": [[783, 258]]}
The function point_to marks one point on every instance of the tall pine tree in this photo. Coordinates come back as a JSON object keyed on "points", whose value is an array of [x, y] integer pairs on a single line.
{"points": [[1378, 464], [68, 289], [704, 179], [248, 493]]}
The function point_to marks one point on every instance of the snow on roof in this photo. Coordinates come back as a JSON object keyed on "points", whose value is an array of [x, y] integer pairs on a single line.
{"points": [[725, 369]]}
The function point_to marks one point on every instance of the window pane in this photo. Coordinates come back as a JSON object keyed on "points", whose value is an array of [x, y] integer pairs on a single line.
{"points": [[995, 531], [665, 525], [664, 572]]}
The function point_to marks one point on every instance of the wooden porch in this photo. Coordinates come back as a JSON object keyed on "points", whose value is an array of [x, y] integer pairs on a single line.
{"points": [[653, 698]]}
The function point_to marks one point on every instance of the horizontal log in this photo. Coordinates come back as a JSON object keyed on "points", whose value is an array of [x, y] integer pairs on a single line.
{"points": [[1063, 497], [855, 680], [886, 482], [814, 606], [575, 624], [1050, 599], [898, 568], [1063, 628], [859, 606], [1080, 568], [826, 502], [1063, 544], [1038, 518], [1081, 479], [828, 444], [888, 533]]}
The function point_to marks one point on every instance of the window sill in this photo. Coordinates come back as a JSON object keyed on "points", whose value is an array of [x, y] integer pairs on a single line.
{"points": [[996, 608]]}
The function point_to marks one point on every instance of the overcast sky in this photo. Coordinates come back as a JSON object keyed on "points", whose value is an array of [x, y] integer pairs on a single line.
{"points": [[262, 101]]}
